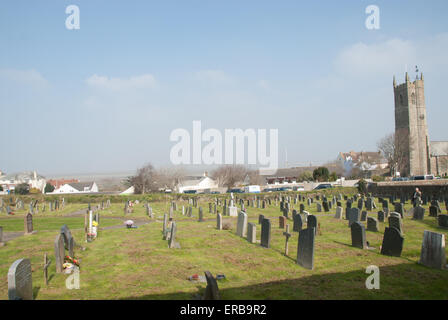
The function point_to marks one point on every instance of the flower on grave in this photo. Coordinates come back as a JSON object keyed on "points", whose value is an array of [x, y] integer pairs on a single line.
{"points": [[94, 223]]}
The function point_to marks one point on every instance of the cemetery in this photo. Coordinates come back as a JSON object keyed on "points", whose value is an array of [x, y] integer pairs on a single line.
{"points": [[276, 246]]}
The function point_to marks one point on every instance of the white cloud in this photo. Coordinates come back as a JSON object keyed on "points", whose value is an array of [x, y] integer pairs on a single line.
{"points": [[31, 78], [218, 77], [145, 81]]}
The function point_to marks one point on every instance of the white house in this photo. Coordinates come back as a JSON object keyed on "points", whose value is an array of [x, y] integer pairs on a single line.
{"points": [[31, 178], [199, 184], [79, 187], [130, 190]]}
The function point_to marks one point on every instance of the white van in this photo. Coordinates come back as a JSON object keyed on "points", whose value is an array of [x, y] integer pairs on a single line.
{"points": [[252, 189]]}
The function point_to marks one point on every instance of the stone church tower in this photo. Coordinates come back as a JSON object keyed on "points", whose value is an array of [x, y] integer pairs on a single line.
{"points": [[411, 131]]}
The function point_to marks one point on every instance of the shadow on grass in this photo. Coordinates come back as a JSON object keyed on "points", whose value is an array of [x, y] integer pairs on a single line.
{"points": [[397, 283]]}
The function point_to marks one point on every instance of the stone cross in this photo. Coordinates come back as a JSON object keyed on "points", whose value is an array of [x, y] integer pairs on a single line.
{"points": [[287, 236], [46, 265]]}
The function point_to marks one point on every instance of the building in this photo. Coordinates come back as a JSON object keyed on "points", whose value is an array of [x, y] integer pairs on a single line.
{"points": [[364, 160], [79, 187], [200, 184], [56, 183], [411, 132], [31, 178]]}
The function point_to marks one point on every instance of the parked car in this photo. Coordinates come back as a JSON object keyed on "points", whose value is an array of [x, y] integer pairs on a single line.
{"points": [[235, 190], [190, 191], [323, 186], [424, 177]]}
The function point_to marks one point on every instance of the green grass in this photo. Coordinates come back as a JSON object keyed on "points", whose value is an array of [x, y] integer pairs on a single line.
{"points": [[137, 264]]}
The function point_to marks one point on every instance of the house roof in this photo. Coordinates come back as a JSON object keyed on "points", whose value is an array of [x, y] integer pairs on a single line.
{"points": [[364, 156], [80, 186]]}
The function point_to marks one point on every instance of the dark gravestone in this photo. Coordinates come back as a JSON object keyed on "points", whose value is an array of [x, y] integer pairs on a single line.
{"points": [[392, 242], [20, 285], [172, 240], [266, 233], [360, 204], [419, 213], [399, 208], [326, 206], [212, 290], [397, 223], [305, 250], [353, 216], [364, 216], [302, 208], [69, 242], [349, 204], [433, 211], [442, 219], [358, 235], [297, 223], [380, 216], [312, 223], [260, 218], [28, 223], [372, 224], [59, 252]]}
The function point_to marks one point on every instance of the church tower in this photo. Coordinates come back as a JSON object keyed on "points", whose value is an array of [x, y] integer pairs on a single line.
{"points": [[411, 130]]}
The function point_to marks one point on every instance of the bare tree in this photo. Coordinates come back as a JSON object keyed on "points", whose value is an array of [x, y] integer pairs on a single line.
{"points": [[255, 178], [169, 178], [396, 148], [145, 180], [229, 175]]}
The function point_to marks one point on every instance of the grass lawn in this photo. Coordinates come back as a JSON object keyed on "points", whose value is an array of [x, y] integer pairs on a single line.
{"points": [[137, 264]]}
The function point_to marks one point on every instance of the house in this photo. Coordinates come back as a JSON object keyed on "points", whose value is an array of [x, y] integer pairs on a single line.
{"points": [[365, 161], [199, 184], [31, 178], [56, 183], [78, 187]]}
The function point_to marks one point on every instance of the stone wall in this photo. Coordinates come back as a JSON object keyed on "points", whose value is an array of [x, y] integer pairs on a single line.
{"points": [[438, 188]]}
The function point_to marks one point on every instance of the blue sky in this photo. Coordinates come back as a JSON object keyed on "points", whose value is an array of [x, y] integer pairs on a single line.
{"points": [[106, 97]]}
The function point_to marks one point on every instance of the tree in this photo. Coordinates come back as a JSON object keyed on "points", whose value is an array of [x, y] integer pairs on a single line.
{"points": [[333, 177], [169, 178], [321, 174], [362, 186], [22, 189], [144, 181], [48, 188], [1, 188], [229, 175], [255, 178], [306, 176], [396, 148]]}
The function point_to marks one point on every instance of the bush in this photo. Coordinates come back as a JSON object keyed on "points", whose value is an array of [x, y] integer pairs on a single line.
{"points": [[362, 186], [378, 178], [48, 188], [321, 174], [22, 189], [35, 191]]}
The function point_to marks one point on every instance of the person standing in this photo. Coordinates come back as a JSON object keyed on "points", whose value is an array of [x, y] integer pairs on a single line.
{"points": [[416, 198]]}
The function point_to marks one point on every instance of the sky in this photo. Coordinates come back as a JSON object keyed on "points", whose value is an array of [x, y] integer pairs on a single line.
{"points": [[106, 97]]}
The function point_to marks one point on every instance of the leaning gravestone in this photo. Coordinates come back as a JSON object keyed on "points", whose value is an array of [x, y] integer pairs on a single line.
{"points": [[372, 224], [392, 242], [433, 250], [260, 218], [358, 235], [212, 290], [59, 252], [266, 233], [20, 285], [241, 227], [172, 240], [305, 249], [252, 232], [69, 241]]}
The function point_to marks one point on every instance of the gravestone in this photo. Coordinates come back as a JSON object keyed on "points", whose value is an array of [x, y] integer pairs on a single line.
{"points": [[172, 240], [353, 216], [442, 220], [260, 218], [201, 215], [287, 236], [364, 216], [360, 204], [380, 216], [312, 222], [20, 285], [266, 233], [281, 222], [28, 224], [372, 224], [338, 214], [252, 232], [59, 252], [399, 208], [397, 223], [419, 213], [392, 242], [358, 235], [326, 206], [212, 290], [302, 208], [219, 221], [318, 207], [433, 250], [433, 211], [69, 241], [165, 223], [297, 223], [305, 248], [241, 227]]}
